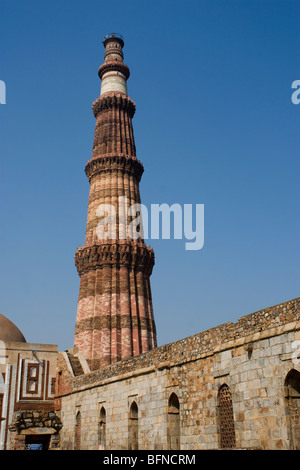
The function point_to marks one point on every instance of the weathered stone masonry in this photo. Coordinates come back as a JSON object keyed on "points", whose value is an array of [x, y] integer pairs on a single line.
{"points": [[254, 358]]}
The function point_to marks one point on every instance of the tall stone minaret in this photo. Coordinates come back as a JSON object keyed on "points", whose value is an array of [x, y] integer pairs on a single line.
{"points": [[115, 315]]}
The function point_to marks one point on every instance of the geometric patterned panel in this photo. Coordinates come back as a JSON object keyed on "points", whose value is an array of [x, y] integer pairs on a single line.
{"points": [[35, 383], [226, 420]]}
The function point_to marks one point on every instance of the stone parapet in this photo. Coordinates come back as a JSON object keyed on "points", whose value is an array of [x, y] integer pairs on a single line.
{"points": [[268, 322]]}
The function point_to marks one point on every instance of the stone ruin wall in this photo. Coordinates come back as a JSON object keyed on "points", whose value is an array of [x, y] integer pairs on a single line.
{"points": [[252, 356]]}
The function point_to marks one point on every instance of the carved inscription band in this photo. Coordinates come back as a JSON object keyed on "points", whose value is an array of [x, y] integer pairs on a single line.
{"points": [[138, 257], [117, 321]]}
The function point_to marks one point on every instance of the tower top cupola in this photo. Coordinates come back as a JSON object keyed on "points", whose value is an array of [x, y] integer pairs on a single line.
{"points": [[113, 73], [115, 39]]}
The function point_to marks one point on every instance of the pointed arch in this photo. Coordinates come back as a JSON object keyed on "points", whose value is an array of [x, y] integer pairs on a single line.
{"points": [[292, 405], [133, 427], [102, 429], [226, 418], [78, 431], [173, 422]]}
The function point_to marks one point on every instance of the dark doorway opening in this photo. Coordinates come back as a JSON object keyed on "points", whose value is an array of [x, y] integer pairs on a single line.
{"points": [[37, 441]]}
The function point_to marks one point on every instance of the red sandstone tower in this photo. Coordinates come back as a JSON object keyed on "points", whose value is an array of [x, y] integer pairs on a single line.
{"points": [[115, 315]]}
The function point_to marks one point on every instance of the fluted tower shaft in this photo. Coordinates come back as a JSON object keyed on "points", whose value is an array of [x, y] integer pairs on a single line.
{"points": [[115, 314]]}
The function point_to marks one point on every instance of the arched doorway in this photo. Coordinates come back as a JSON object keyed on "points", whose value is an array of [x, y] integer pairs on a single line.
{"points": [[292, 398], [173, 422], [226, 419]]}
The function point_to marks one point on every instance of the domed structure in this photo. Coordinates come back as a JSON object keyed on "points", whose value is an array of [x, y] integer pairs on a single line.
{"points": [[9, 331]]}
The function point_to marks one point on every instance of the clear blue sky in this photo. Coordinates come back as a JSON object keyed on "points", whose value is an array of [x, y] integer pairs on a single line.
{"points": [[214, 125]]}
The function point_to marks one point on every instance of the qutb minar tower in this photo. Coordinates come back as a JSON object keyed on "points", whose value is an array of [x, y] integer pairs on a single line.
{"points": [[115, 315]]}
